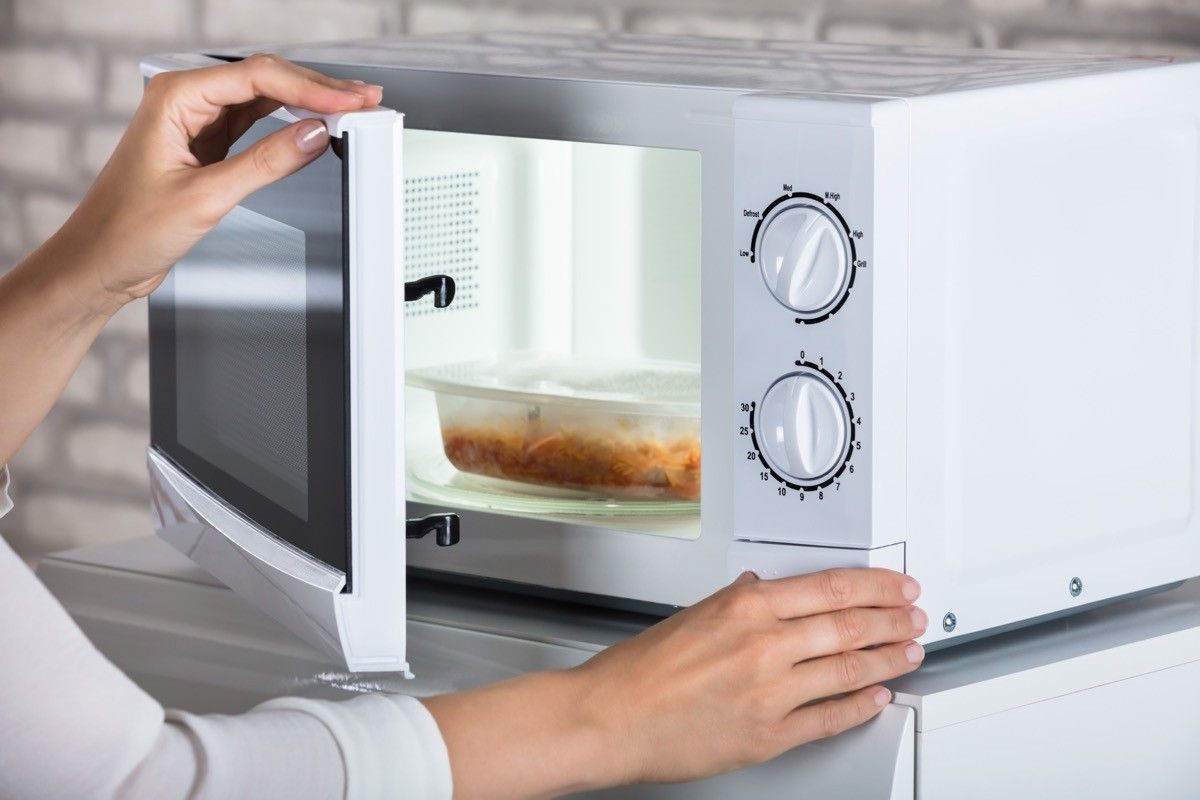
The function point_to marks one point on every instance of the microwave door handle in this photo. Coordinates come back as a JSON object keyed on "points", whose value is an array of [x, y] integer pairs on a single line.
{"points": [[295, 114], [333, 122]]}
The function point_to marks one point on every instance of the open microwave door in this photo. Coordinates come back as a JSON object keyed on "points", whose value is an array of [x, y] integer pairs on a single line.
{"points": [[277, 403]]}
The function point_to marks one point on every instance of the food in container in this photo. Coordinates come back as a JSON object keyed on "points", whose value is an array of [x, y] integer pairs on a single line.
{"points": [[620, 429]]}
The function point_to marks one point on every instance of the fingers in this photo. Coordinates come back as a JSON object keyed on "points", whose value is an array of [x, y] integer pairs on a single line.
{"points": [[837, 589], [831, 717], [853, 629], [271, 158], [853, 670], [207, 90], [265, 75]]}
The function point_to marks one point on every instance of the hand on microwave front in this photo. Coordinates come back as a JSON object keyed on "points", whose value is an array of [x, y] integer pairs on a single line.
{"points": [[734, 680]]}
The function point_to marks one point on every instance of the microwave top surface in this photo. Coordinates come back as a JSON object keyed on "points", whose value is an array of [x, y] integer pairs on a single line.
{"points": [[744, 65]]}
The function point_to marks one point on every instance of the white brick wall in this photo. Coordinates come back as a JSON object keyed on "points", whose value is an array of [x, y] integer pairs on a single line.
{"points": [[68, 82], [292, 20], [130, 321], [448, 17], [108, 450], [11, 232], [47, 76], [86, 387], [116, 19], [36, 149], [122, 84]]}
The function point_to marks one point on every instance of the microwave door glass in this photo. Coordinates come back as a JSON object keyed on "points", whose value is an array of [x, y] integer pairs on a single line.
{"points": [[249, 349]]}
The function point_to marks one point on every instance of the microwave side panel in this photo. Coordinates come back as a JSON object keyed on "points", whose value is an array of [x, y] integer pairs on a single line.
{"points": [[1052, 392], [809, 411]]}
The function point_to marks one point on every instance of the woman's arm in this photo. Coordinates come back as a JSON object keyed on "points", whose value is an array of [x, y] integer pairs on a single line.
{"points": [[74, 726], [166, 185], [44, 332]]}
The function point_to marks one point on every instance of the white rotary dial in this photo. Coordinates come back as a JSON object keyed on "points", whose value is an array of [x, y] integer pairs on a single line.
{"points": [[804, 256], [803, 427]]}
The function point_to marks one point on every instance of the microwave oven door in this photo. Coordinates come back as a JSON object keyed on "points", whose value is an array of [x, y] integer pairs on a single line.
{"points": [[276, 353]]}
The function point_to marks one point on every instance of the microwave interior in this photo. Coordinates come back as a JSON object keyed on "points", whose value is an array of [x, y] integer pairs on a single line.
{"points": [[575, 263]]}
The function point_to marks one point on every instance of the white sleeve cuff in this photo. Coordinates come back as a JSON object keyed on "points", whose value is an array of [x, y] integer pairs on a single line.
{"points": [[5, 501], [390, 744]]}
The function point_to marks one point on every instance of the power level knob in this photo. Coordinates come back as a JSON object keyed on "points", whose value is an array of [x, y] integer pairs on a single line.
{"points": [[804, 255], [803, 426]]}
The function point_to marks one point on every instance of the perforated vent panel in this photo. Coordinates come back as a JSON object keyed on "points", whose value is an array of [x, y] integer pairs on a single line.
{"points": [[441, 223]]}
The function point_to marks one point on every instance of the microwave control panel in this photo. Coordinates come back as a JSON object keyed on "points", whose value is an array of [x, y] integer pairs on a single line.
{"points": [[802, 332]]}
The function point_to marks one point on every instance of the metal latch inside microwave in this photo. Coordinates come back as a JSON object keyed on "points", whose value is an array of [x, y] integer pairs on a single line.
{"points": [[444, 526], [440, 286]]}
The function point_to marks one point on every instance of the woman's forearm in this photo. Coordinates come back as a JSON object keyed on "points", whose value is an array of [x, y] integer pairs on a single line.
{"points": [[51, 309], [528, 737]]}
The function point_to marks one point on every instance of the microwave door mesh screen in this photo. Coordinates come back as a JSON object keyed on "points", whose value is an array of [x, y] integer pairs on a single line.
{"points": [[241, 362]]}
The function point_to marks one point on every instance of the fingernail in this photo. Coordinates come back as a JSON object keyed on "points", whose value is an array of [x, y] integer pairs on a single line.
{"points": [[911, 590], [919, 618], [882, 697], [914, 653], [311, 136], [357, 93]]}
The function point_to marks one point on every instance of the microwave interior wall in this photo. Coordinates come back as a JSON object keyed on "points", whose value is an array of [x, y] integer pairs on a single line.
{"points": [[577, 249]]}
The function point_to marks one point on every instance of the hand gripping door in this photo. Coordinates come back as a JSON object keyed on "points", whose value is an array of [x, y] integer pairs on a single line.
{"points": [[277, 403]]}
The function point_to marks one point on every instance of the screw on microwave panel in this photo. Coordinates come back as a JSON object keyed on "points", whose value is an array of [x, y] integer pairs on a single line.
{"points": [[949, 622], [1075, 587]]}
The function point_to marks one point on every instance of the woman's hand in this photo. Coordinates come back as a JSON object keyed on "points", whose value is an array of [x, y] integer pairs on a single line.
{"points": [[745, 675], [168, 181], [755, 670], [167, 184]]}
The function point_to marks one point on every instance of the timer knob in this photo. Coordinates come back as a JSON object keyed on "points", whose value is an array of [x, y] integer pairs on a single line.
{"points": [[804, 255], [803, 426]]}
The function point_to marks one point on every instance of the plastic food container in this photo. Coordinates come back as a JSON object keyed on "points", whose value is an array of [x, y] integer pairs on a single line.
{"points": [[612, 429]]}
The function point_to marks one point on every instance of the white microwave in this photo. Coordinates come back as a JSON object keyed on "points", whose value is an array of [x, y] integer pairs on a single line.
{"points": [[938, 311]]}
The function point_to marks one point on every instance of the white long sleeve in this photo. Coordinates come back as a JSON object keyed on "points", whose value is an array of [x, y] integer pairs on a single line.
{"points": [[74, 726]]}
